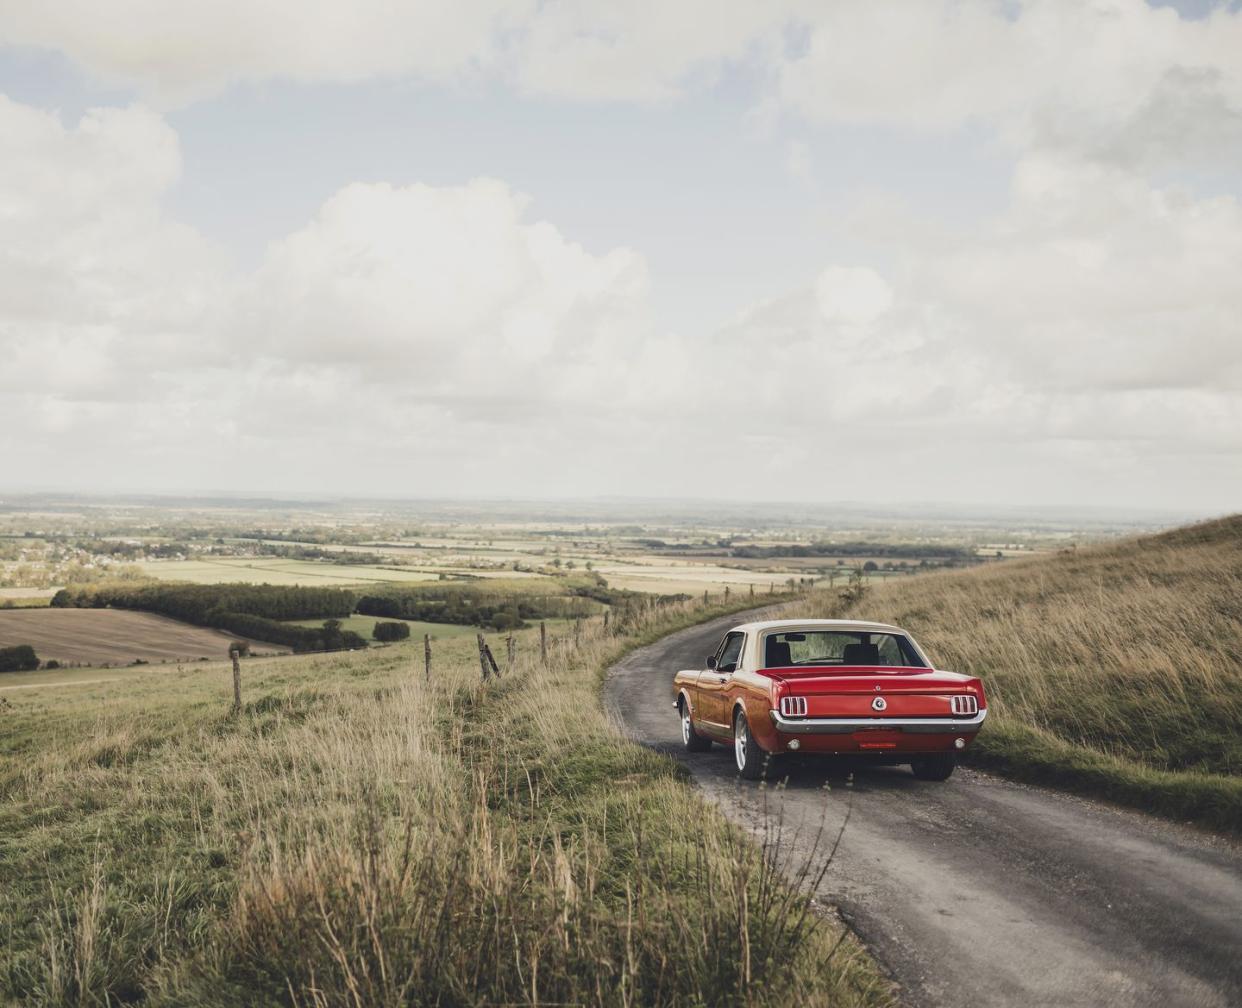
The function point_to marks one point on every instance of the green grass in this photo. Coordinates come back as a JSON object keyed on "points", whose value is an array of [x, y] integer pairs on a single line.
{"points": [[361, 836], [1040, 757], [25, 601]]}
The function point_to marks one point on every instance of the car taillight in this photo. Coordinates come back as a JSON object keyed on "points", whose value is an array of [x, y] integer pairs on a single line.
{"points": [[964, 705], [793, 706]]}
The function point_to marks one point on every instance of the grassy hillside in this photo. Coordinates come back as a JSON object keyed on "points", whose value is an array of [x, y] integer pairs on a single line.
{"points": [[1116, 670], [359, 835]]}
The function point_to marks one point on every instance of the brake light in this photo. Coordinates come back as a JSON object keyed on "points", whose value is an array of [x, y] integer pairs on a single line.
{"points": [[964, 705], [793, 706]]}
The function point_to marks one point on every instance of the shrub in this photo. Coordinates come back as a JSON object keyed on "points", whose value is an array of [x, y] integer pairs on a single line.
{"points": [[388, 632], [21, 658]]}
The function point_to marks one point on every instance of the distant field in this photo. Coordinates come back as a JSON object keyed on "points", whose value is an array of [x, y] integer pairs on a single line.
{"points": [[112, 637], [277, 572], [688, 577], [25, 598]]}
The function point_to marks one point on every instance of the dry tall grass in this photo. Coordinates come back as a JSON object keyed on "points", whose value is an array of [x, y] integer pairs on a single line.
{"points": [[1113, 663], [361, 837]]}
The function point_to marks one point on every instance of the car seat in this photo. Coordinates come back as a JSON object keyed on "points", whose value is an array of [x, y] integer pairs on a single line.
{"points": [[777, 654], [861, 653]]}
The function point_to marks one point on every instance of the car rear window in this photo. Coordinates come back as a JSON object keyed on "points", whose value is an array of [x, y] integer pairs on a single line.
{"points": [[791, 648]]}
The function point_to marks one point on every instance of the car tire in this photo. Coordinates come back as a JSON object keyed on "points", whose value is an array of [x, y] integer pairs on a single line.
{"points": [[750, 760], [938, 767], [691, 740]]}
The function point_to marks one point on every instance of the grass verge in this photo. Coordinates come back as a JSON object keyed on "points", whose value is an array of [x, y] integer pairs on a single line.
{"points": [[1038, 757], [359, 835]]}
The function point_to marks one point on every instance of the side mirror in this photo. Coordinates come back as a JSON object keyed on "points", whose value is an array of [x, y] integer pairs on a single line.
{"points": [[711, 662]]}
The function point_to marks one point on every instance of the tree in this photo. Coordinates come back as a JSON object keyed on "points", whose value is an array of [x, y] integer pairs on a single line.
{"points": [[388, 632], [21, 658], [870, 566]]}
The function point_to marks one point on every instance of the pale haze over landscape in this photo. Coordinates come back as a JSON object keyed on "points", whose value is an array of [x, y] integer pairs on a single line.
{"points": [[984, 252]]}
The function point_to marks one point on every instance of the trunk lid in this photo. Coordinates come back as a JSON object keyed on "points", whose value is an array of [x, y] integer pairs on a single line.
{"points": [[852, 691]]}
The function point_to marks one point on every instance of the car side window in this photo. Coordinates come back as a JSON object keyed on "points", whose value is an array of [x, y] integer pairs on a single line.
{"points": [[730, 652]]}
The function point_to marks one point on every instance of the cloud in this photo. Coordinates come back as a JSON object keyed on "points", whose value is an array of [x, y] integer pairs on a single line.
{"points": [[97, 286], [1114, 80], [852, 296], [451, 293], [178, 52]]}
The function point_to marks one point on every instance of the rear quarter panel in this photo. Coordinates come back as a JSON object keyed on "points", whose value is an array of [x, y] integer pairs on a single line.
{"points": [[752, 693]]}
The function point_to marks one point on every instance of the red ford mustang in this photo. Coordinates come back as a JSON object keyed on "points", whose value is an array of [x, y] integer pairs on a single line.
{"points": [[828, 686]]}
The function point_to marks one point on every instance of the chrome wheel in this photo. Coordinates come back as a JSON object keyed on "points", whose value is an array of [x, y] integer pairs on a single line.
{"points": [[751, 760], [690, 738]]}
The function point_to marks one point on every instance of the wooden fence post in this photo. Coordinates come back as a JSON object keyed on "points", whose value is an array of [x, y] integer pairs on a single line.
{"points": [[771, 587], [543, 642], [487, 664], [606, 612], [704, 598], [577, 633], [427, 656], [726, 594], [235, 654], [752, 591], [511, 646]]}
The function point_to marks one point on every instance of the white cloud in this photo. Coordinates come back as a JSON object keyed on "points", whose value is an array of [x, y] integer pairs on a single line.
{"points": [[178, 51], [577, 49], [1117, 79], [448, 291], [1113, 79], [852, 296], [97, 287]]}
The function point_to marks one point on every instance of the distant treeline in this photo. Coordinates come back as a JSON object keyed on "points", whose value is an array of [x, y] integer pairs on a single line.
{"points": [[335, 556], [18, 659], [256, 611], [471, 608], [197, 603], [131, 550], [247, 610], [899, 551]]}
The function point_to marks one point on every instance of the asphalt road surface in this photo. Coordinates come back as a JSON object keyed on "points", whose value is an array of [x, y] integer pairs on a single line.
{"points": [[979, 891]]}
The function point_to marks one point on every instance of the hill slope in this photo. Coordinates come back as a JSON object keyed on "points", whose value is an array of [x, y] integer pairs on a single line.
{"points": [[360, 833], [1115, 670]]}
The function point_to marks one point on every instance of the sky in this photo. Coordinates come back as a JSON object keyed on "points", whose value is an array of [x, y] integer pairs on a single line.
{"points": [[792, 250]]}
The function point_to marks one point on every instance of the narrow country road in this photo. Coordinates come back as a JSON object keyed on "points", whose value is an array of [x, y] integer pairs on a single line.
{"points": [[980, 892]]}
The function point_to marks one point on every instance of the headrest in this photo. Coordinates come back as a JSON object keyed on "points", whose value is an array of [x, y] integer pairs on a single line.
{"points": [[860, 654]]}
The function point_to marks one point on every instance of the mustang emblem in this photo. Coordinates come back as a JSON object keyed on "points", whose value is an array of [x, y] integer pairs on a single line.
{"points": [[879, 703]]}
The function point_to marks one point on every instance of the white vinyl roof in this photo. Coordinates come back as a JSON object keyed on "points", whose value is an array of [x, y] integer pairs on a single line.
{"points": [[814, 624]]}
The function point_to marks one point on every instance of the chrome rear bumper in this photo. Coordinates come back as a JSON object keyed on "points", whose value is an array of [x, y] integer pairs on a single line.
{"points": [[844, 726]]}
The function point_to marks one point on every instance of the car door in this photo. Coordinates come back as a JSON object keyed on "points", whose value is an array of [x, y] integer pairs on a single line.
{"points": [[714, 684]]}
